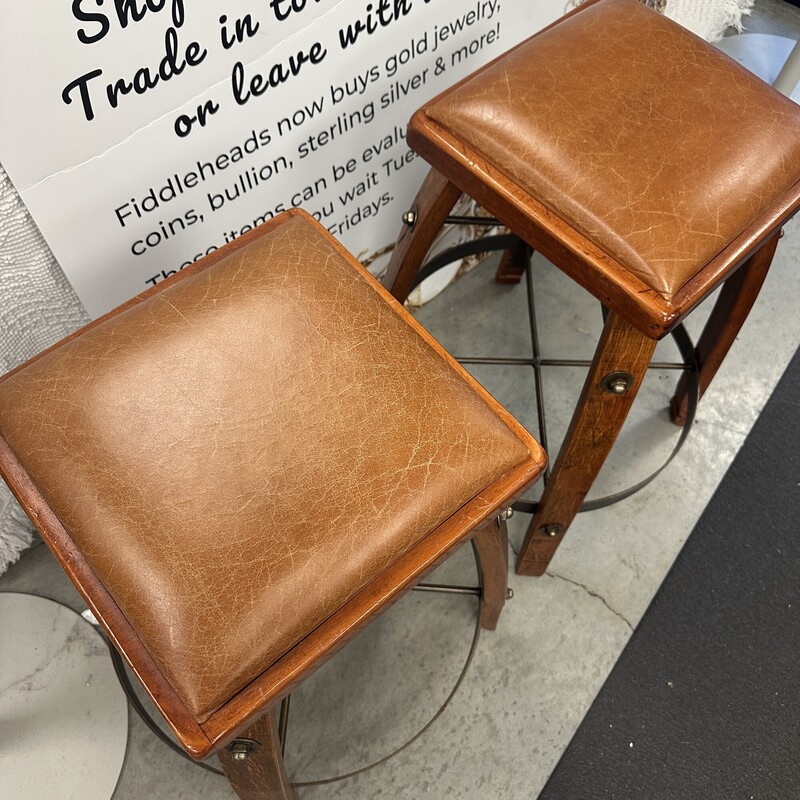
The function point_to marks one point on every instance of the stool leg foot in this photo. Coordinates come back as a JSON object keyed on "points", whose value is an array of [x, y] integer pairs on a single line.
{"points": [[727, 317], [491, 547], [512, 264], [596, 421], [434, 201], [262, 774]]}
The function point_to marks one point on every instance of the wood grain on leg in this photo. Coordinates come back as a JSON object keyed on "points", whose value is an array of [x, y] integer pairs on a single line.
{"points": [[262, 775], [491, 547], [727, 317], [434, 201], [512, 264], [593, 430]]}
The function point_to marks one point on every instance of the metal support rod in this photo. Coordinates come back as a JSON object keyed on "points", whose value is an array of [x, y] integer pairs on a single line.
{"points": [[447, 588], [466, 220], [283, 722], [556, 362]]}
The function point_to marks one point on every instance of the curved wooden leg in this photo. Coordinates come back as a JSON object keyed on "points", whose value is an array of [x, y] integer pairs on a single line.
{"points": [[595, 424], [262, 775], [434, 201], [730, 311], [491, 547]]}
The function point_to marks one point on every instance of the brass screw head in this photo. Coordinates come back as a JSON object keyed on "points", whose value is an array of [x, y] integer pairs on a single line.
{"points": [[241, 749], [617, 382], [551, 529], [506, 513], [410, 218], [618, 386]]}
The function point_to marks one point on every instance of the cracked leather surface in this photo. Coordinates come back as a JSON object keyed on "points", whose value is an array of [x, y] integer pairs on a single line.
{"points": [[640, 135], [239, 454]]}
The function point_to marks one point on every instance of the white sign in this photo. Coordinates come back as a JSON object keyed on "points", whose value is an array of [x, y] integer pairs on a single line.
{"points": [[143, 134]]}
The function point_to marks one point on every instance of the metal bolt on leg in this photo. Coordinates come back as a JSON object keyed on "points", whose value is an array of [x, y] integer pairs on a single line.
{"points": [[240, 749], [552, 529], [506, 513], [410, 218], [618, 387], [617, 382]]}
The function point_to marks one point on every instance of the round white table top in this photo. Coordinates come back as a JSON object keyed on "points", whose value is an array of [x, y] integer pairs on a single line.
{"points": [[63, 714]]}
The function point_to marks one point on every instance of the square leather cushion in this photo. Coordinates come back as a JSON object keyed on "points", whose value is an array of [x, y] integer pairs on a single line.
{"points": [[643, 138], [238, 454]]}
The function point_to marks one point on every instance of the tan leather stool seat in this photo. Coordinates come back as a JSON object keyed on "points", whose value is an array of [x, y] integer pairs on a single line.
{"points": [[647, 142], [237, 455], [646, 165]]}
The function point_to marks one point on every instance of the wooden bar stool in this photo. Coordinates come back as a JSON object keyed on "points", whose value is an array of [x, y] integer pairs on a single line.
{"points": [[643, 163], [244, 465]]}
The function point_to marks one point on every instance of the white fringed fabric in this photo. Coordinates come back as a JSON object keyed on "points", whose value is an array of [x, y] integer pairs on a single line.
{"points": [[707, 18], [37, 308]]}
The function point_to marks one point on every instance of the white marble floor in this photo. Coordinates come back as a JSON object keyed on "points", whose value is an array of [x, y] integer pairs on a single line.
{"points": [[533, 679]]}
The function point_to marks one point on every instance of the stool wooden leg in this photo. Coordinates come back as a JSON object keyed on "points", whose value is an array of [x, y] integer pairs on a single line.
{"points": [[597, 420], [262, 775], [491, 547], [730, 311], [512, 264], [434, 201]]}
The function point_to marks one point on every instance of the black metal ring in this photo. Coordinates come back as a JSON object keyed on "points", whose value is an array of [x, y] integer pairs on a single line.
{"points": [[686, 348], [474, 247], [682, 340], [133, 699]]}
